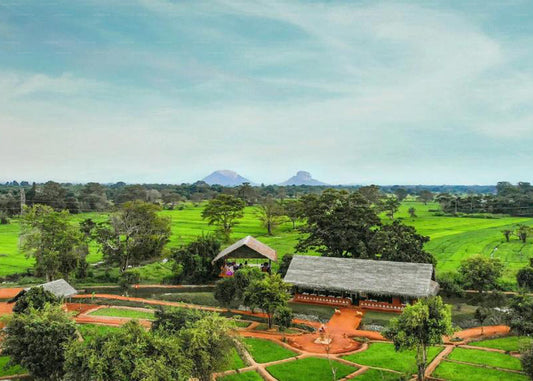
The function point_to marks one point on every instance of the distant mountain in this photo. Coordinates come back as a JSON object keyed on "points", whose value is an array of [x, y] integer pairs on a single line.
{"points": [[302, 178], [226, 178]]}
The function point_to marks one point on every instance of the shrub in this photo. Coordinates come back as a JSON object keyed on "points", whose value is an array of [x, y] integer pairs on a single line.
{"points": [[36, 298], [524, 278], [527, 360], [450, 284]]}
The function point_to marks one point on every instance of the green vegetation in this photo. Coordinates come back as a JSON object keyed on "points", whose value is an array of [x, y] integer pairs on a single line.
{"points": [[89, 331], [383, 355], [123, 313], [377, 375], [246, 376], [266, 351], [377, 318], [452, 238], [309, 368], [508, 344], [11, 370], [495, 359], [236, 362], [462, 372]]}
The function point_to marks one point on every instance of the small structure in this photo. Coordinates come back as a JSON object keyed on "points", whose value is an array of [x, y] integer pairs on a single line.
{"points": [[60, 288], [247, 248], [378, 285]]}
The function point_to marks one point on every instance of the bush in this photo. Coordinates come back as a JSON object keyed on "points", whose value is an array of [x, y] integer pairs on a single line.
{"points": [[283, 318], [4, 219], [524, 278], [36, 298], [450, 284], [527, 360]]}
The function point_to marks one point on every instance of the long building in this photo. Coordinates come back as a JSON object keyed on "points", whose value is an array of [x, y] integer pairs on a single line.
{"points": [[381, 285]]}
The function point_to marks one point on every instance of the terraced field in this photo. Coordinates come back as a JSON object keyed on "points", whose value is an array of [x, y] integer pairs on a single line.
{"points": [[452, 238]]}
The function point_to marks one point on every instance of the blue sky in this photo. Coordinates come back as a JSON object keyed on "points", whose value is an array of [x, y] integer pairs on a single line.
{"points": [[354, 92]]}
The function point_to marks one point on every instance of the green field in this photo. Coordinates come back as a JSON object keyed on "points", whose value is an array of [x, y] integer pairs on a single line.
{"points": [[123, 313], [461, 372], [266, 351], [508, 344], [88, 331], [246, 376], [377, 375], [452, 238], [383, 355], [480, 357], [309, 368]]}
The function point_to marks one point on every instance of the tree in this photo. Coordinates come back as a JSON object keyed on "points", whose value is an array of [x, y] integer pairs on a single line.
{"points": [[425, 196], [339, 224], [293, 210], [224, 210], [507, 234], [401, 194], [523, 231], [420, 326], [412, 212], [208, 343], [371, 193], [231, 291], [195, 260], [400, 243], [283, 318], [481, 314], [270, 213], [391, 206], [520, 315], [481, 273], [130, 353], [246, 193], [36, 341], [269, 294], [35, 298], [284, 265], [170, 321], [524, 278], [133, 234], [48, 236], [93, 197], [526, 358]]}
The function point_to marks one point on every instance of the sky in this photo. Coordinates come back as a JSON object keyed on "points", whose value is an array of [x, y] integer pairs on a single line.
{"points": [[358, 92]]}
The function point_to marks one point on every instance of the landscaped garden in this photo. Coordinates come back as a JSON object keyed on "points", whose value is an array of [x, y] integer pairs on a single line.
{"points": [[508, 343], [310, 368], [264, 351], [462, 372], [123, 313], [481, 357], [9, 370], [383, 355]]}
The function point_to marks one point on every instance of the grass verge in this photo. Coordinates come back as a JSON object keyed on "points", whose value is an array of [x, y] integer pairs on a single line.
{"points": [[310, 368], [266, 351]]}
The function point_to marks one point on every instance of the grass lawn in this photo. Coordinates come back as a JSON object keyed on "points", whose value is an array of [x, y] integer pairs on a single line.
{"points": [[88, 331], [461, 372], [309, 368], [383, 355], [9, 371], [475, 356], [509, 343], [246, 376], [377, 375], [266, 351], [236, 361], [123, 312]]}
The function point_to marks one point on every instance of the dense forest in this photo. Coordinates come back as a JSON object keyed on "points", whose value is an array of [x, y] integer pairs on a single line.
{"points": [[91, 197]]}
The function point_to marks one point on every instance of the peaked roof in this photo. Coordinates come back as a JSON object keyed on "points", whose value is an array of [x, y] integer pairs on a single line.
{"points": [[248, 247], [59, 288], [360, 275]]}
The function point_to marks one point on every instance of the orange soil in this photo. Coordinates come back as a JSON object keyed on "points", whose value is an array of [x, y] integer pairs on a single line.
{"points": [[8, 293]]}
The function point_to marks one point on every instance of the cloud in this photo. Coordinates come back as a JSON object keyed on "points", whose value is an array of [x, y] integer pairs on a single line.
{"points": [[374, 92]]}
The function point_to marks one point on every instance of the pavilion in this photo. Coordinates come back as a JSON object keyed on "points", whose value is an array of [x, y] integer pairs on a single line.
{"points": [[380, 285], [59, 288], [247, 248]]}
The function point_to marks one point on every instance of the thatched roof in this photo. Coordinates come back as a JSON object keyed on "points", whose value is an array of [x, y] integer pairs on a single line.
{"points": [[59, 288], [359, 275], [248, 247]]}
